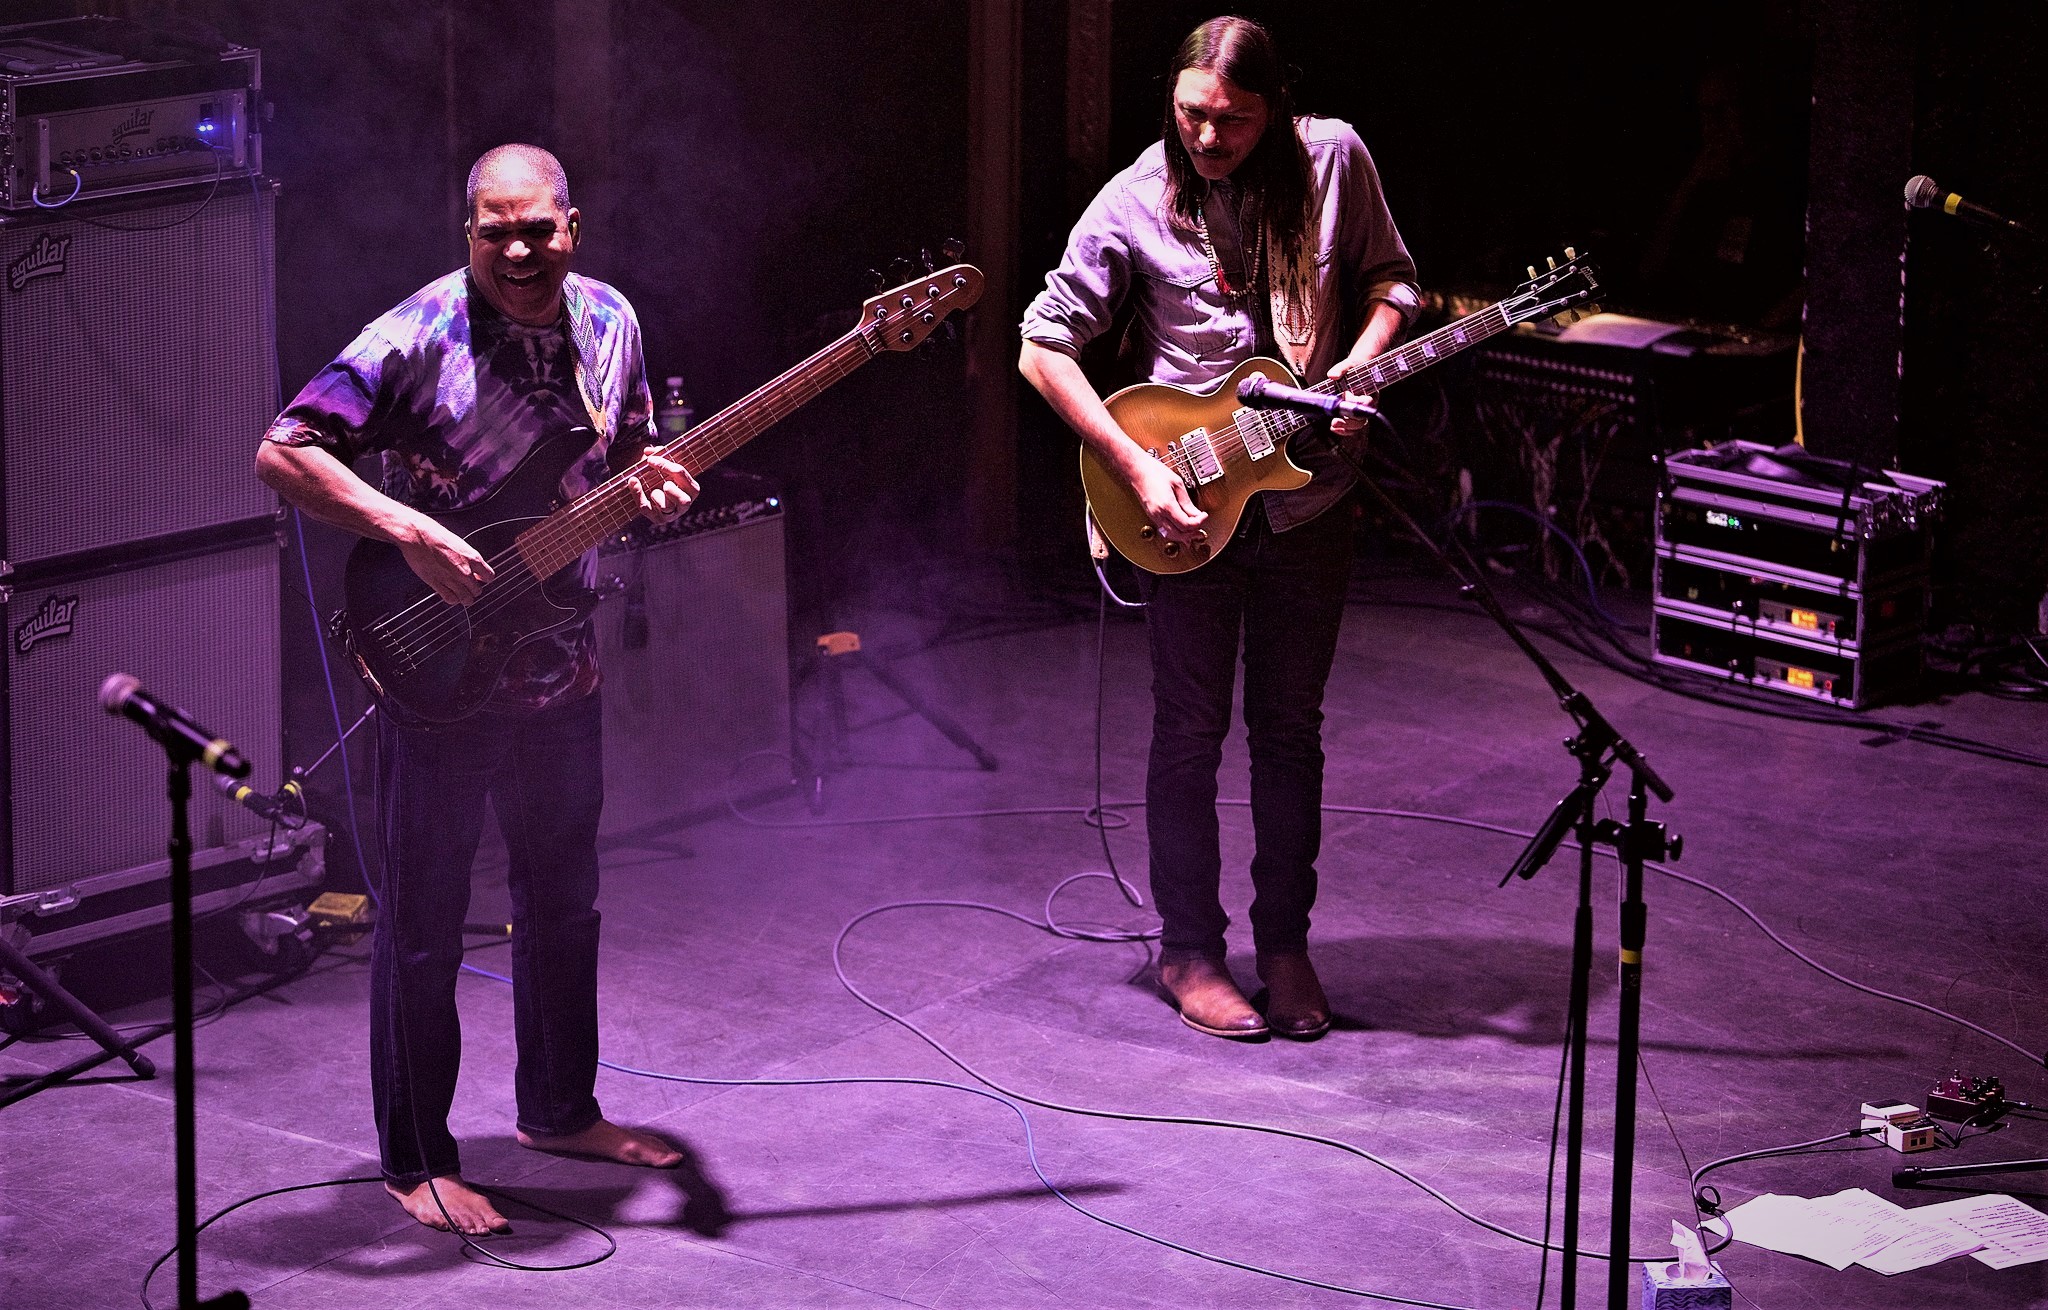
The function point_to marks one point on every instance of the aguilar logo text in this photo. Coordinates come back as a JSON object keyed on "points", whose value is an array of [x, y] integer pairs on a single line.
{"points": [[44, 259], [136, 124], [53, 618]]}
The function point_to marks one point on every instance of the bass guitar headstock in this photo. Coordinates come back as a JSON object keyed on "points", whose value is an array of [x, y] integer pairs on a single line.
{"points": [[902, 317]]}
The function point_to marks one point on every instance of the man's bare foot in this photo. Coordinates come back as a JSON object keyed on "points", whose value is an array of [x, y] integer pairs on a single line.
{"points": [[605, 1140], [471, 1210]]}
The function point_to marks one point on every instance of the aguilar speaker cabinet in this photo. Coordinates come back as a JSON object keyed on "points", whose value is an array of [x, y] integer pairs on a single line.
{"points": [[693, 641], [137, 368], [85, 791]]}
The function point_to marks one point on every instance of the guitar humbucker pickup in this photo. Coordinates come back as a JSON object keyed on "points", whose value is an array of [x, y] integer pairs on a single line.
{"points": [[1199, 456], [1251, 429]]}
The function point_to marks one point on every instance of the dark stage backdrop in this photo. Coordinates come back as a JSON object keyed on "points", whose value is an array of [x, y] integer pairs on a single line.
{"points": [[1976, 343], [744, 167]]}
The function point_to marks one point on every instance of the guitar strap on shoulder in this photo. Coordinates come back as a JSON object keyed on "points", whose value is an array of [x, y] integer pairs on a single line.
{"points": [[1294, 291], [583, 341]]}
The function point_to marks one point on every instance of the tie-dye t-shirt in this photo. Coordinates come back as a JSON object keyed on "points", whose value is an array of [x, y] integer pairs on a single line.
{"points": [[453, 395]]}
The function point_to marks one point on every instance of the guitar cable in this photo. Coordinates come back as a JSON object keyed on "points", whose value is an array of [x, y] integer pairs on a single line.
{"points": [[1099, 816], [1103, 816]]}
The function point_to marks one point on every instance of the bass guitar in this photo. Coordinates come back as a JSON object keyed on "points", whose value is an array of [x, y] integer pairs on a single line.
{"points": [[428, 661], [1226, 452]]}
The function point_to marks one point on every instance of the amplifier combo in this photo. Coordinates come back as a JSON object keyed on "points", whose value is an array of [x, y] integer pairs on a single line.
{"points": [[1574, 418], [1787, 571], [98, 107], [693, 644]]}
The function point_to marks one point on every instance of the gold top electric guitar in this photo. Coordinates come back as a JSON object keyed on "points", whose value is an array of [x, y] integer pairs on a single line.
{"points": [[1225, 452]]}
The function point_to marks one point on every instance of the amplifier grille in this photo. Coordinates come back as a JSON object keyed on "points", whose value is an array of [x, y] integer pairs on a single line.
{"points": [[87, 790], [137, 370]]}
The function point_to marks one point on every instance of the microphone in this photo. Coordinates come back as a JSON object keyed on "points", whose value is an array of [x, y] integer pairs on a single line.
{"points": [[1262, 392], [1923, 192], [285, 809], [174, 730]]}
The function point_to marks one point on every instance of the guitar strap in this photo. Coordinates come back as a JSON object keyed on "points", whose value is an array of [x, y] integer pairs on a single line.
{"points": [[583, 338], [1294, 291]]}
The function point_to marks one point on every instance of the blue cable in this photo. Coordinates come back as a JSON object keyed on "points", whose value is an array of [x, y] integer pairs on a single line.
{"points": [[1585, 569]]}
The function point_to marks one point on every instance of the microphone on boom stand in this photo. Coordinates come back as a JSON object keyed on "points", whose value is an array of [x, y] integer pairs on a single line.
{"points": [[1262, 392]]}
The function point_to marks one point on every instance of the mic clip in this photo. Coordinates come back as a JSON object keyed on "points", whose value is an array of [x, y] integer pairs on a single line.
{"points": [[1261, 392]]}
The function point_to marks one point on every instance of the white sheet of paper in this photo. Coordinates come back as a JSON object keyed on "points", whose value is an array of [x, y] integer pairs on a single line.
{"points": [[1930, 1242], [1618, 330], [1846, 1228], [2013, 1232]]}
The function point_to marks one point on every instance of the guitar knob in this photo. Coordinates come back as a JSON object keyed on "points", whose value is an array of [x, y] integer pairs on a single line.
{"points": [[1172, 549], [1148, 532], [1201, 550], [1201, 534]]}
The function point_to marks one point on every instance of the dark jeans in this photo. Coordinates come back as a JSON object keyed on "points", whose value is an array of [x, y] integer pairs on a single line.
{"points": [[1279, 597], [543, 773]]}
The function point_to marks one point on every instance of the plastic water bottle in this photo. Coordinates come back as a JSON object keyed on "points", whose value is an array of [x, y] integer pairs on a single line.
{"points": [[673, 415]]}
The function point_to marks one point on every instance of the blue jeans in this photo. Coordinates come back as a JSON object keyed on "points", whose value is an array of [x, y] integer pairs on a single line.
{"points": [[1278, 598], [544, 775]]}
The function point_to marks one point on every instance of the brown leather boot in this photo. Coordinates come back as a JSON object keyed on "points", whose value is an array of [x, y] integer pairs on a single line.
{"points": [[1295, 1004], [1208, 999]]}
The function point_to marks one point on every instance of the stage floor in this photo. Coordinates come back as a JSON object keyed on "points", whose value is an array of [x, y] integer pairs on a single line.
{"points": [[1908, 867]]}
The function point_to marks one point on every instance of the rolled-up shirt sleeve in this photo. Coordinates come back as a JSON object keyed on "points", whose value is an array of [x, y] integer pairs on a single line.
{"points": [[337, 409], [1376, 261], [1082, 294]]}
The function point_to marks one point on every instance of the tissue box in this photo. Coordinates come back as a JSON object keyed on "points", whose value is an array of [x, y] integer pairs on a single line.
{"points": [[1662, 1289]]}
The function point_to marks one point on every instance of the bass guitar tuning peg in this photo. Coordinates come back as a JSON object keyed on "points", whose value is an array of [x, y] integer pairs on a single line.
{"points": [[952, 249]]}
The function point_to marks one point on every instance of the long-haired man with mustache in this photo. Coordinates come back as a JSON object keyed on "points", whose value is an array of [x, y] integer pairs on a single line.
{"points": [[1244, 231]]}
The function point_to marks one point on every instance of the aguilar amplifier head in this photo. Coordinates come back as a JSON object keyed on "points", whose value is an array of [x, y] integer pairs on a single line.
{"points": [[102, 107]]}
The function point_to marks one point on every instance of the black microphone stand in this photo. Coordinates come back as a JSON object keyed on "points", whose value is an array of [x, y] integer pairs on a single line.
{"points": [[180, 754], [1598, 747]]}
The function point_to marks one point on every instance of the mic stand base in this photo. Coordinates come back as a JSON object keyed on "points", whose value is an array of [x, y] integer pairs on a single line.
{"points": [[837, 650], [112, 1045]]}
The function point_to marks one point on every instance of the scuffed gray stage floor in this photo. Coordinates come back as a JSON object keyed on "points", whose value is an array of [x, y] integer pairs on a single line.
{"points": [[1914, 869]]}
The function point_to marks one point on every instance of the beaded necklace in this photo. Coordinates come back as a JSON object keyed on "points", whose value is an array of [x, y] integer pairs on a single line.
{"points": [[1253, 246]]}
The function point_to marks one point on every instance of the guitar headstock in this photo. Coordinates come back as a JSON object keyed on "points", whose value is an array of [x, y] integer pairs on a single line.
{"points": [[901, 318], [1554, 289]]}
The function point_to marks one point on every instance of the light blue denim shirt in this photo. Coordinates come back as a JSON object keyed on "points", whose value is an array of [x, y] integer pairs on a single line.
{"points": [[1184, 331]]}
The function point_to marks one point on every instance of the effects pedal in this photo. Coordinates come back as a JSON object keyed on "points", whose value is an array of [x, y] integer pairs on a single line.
{"points": [[346, 915], [1904, 1128], [1961, 1100]]}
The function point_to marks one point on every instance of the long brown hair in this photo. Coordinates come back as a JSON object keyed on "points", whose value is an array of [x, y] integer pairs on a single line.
{"points": [[1277, 168]]}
